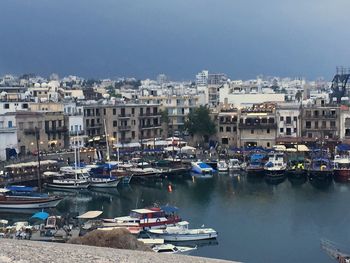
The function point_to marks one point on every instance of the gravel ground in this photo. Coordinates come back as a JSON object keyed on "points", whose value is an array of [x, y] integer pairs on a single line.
{"points": [[31, 251]]}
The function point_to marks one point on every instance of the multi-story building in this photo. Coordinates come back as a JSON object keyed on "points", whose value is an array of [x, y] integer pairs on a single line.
{"points": [[320, 122], [257, 126], [288, 122], [227, 123], [344, 132], [8, 136]]}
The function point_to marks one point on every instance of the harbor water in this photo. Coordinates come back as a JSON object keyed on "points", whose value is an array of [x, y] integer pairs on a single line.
{"points": [[257, 221]]}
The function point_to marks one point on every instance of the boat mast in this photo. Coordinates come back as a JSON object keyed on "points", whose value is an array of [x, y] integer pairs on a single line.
{"points": [[107, 144], [117, 139], [38, 156]]}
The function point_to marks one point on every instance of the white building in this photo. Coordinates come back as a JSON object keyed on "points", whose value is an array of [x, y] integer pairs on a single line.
{"points": [[8, 135], [288, 120]]}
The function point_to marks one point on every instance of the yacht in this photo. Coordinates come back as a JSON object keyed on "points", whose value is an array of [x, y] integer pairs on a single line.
{"points": [[66, 181], [171, 249], [201, 168], [222, 166], [234, 165], [275, 166], [181, 232]]}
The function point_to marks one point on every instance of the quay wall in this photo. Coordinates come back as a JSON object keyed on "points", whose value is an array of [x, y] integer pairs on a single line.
{"points": [[21, 251]]}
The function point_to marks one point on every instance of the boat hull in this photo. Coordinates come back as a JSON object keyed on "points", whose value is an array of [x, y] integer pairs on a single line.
{"points": [[104, 184], [31, 204], [185, 237], [68, 185], [255, 171], [342, 175], [320, 175]]}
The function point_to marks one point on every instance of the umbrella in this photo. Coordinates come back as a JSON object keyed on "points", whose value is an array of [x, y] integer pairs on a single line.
{"points": [[41, 215]]}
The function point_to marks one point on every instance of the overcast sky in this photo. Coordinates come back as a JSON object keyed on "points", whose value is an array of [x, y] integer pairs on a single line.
{"points": [[142, 38]]}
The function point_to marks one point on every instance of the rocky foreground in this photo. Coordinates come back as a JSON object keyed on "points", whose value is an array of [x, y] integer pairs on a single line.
{"points": [[29, 251]]}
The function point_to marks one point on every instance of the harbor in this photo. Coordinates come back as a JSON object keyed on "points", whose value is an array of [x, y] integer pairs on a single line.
{"points": [[252, 216]]}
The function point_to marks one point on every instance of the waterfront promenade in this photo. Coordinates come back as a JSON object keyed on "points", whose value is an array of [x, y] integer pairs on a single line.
{"points": [[30, 251]]}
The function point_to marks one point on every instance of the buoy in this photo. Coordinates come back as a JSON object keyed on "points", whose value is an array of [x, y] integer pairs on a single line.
{"points": [[170, 189]]}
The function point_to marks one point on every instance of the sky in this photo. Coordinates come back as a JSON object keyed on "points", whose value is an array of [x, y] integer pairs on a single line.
{"points": [[142, 38]]}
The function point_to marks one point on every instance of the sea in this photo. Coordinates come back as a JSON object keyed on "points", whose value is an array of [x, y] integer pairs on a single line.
{"points": [[257, 220]]}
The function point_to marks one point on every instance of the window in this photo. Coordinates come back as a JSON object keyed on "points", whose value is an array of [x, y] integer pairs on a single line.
{"points": [[308, 125], [295, 130], [221, 129], [132, 111], [281, 118], [9, 124], [347, 132], [281, 130], [316, 124], [295, 118], [104, 111], [308, 113], [316, 113], [115, 123], [252, 131], [228, 129], [6, 106], [114, 111], [20, 125], [309, 135], [332, 124], [289, 120], [324, 124], [268, 144], [224, 140], [289, 131], [268, 130]]}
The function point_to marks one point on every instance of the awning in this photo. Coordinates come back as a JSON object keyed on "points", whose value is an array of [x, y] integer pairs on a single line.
{"points": [[301, 148], [90, 215], [41, 215], [4, 222], [171, 148], [169, 209], [278, 147]]}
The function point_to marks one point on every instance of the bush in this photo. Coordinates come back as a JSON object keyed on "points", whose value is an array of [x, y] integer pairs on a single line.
{"points": [[116, 238]]}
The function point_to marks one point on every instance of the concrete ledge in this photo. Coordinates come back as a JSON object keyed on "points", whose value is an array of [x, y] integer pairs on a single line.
{"points": [[30, 251]]}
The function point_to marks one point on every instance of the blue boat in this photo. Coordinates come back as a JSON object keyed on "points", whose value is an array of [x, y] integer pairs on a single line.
{"points": [[201, 168], [256, 165]]}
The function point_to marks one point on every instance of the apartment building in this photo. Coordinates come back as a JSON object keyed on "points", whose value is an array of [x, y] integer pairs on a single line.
{"points": [[288, 116]]}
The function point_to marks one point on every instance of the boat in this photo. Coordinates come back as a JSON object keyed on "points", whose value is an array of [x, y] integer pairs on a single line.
{"points": [[103, 181], [181, 232], [67, 181], [201, 168], [296, 167], [332, 249], [143, 170], [26, 199], [171, 249], [146, 218], [222, 166], [234, 165], [341, 168], [320, 169], [255, 166], [275, 166]]}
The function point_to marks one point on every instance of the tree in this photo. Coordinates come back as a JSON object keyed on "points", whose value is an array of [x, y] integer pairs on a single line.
{"points": [[199, 122], [299, 96]]}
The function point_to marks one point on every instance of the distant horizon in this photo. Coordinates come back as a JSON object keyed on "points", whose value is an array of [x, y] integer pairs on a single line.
{"points": [[97, 39]]}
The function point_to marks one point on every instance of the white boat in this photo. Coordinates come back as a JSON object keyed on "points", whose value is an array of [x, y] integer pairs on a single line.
{"points": [[234, 165], [181, 232], [62, 181], [201, 168], [103, 181], [144, 170], [222, 166], [275, 166], [171, 249]]}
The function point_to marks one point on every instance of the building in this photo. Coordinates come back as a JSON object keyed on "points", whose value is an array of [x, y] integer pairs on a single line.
{"points": [[8, 137], [227, 123], [288, 121], [320, 122], [257, 126]]}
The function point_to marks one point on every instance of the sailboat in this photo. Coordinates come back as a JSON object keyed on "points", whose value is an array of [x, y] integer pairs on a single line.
{"points": [[76, 179]]}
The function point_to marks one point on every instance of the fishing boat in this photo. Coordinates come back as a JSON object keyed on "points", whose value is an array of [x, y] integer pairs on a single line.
{"points": [[234, 165], [171, 249], [146, 218], [103, 181], [255, 166], [144, 170], [296, 167], [222, 166], [26, 198], [320, 169], [341, 168], [181, 232], [201, 168], [275, 166]]}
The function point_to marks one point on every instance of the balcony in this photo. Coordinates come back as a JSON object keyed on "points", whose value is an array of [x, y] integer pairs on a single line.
{"points": [[151, 126], [8, 130], [95, 126], [150, 115], [124, 128], [75, 133], [29, 131], [124, 116], [61, 129], [258, 126]]}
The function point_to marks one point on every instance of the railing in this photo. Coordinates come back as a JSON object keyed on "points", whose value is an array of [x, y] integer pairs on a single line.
{"points": [[124, 115], [258, 126], [8, 130], [124, 128]]}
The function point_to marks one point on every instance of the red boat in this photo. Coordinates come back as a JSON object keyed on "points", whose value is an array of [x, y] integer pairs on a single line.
{"points": [[342, 169], [146, 218]]}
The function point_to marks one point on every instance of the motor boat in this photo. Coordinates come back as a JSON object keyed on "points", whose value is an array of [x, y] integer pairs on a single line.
{"points": [[275, 166], [234, 165], [181, 232], [201, 168], [341, 168], [146, 218], [171, 249], [66, 181], [255, 166], [222, 166], [103, 181]]}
